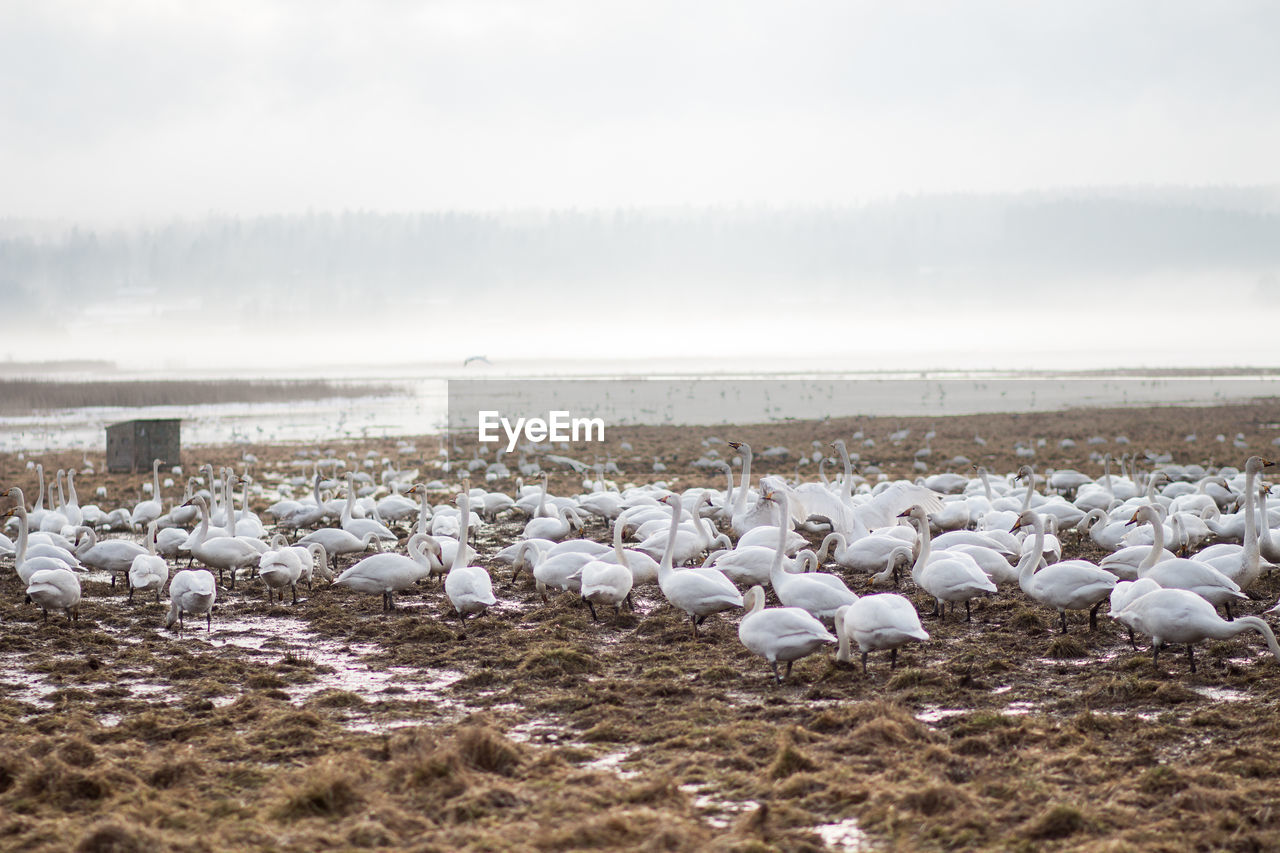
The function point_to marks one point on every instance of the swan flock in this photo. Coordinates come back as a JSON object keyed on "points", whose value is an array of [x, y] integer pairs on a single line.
{"points": [[1178, 544]]}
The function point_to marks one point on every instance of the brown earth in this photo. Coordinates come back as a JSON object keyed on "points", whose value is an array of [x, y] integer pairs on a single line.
{"points": [[328, 725]]}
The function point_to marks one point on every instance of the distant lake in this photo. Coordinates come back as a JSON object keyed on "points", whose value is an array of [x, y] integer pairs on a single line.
{"points": [[657, 392]]}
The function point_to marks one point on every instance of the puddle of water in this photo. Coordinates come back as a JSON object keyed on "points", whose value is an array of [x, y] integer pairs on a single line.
{"points": [[845, 836], [934, 715], [1222, 694], [612, 763], [1019, 709], [716, 810]]}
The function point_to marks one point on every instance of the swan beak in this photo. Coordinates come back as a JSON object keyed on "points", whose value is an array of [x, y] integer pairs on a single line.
{"points": [[1267, 463], [1133, 520]]}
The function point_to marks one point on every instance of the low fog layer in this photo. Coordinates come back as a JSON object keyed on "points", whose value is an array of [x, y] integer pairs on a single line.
{"points": [[1067, 279]]}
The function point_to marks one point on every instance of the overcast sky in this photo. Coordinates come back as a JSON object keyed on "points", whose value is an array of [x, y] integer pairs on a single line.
{"points": [[119, 110]]}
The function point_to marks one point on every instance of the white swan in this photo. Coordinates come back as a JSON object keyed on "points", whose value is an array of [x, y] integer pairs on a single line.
{"points": [[359, 527], [643, 568], [148, 571], [1180, 616], [144, 512], [948, 580], [57, 589], [565, 521], [1067, 585], [337, 541], [389, 573], [191, 591], [805, 591], [1244, 564], [696, 592], [225, 553], [1182, 573], [1125, 592], [468, 588], [877, 622], [605, 583], [109, 555], [780, 633]]}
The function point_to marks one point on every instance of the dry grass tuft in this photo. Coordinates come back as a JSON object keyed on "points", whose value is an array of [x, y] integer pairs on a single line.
{"points": [[114, 838], [1067, 647], [556, 660], [481, 748], [1059, 821], [329, 789]]}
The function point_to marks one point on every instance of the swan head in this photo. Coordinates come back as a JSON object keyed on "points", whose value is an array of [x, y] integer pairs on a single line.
{"points": [[1026, 519], [1256, 463], [1024, 472]]}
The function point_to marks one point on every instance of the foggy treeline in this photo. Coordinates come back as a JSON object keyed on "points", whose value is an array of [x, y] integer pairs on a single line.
{"points": [[928, 240]]}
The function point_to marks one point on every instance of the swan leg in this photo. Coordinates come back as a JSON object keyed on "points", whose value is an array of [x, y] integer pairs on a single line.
{"points": [[592, 607], [130, 592], [776, 678], [113, 580], [789, 663], [1132, 640], [1191, 656], [630, 606], [208, 621], [45, 620], [1062, 614], [1230, 618], [1093, 615], [1155, 653], [233, 578], [864, 663], [968, 614], [693, 620], [893, 658], [295, 593]]}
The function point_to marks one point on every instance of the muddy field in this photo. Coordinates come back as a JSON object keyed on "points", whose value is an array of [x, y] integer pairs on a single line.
{"points": [[328, 725]]}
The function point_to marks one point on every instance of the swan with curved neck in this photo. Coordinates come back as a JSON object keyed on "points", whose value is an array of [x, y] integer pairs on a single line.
{"points": [[699, 593], [148, 571], [1067, 585], [877, 622], [817, 597], [389, 573], [780, 633], [1180, 616], [946, 580], [1181, 572]]}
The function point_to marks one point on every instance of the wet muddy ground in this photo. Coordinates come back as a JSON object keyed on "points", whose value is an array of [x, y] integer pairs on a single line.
{"points": [[329, 725]]}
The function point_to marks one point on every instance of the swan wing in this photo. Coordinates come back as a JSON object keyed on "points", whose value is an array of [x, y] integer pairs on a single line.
{"points": [[883, 510]]}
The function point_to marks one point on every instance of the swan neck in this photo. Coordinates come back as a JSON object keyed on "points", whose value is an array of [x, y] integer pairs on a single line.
{"points": [[464, 531], [1157, 543], [846, 491], [740, 504], [1027, 566], [926, 546], [668, 556]]}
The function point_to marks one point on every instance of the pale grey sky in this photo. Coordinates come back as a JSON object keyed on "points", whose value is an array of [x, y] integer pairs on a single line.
{"points": [[119, 110]]}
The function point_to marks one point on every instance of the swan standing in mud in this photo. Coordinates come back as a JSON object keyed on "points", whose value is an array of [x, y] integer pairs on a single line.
{"points": [[468, 588], [697, 592], [191, 591], [387, 573], [1181, 616], [148, 571], [57, 589], [780, 633]]}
